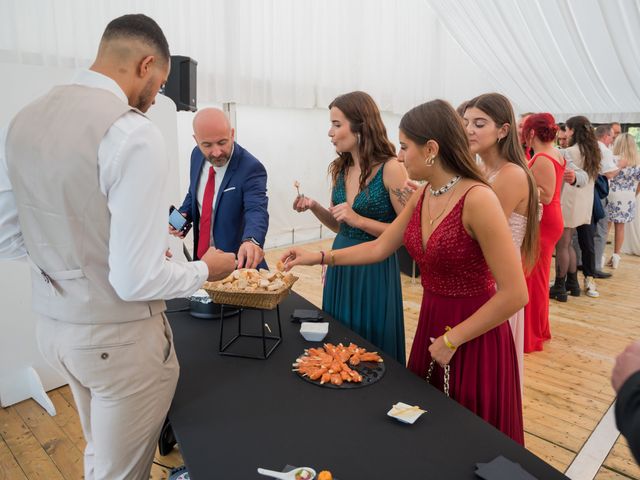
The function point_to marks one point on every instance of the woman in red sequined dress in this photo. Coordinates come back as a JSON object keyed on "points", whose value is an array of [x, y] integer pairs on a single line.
{"points": [[455, 229]]}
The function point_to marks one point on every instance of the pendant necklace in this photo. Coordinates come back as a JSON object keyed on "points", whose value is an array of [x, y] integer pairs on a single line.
{"points": [[440, 191]]}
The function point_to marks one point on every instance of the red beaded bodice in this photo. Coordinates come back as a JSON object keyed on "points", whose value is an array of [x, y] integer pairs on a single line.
{"points": [[452, 263]]}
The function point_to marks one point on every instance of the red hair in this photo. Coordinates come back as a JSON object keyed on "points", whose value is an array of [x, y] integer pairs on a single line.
{"points": [[543, 126]]}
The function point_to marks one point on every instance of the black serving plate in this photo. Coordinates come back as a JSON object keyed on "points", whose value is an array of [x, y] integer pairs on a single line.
{"points": [[371, 373]]}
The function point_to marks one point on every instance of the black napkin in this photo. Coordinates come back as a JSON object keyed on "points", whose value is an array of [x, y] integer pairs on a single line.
{"points": [[501, 468]]}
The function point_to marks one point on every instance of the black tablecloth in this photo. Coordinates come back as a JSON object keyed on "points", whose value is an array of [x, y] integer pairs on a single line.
{"points": [[232, 415]]}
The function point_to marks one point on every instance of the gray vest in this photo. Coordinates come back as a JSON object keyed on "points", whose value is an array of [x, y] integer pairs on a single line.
{"points": [[52, 155]]}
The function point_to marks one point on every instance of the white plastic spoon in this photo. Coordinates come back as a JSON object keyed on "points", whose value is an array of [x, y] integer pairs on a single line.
{"points": [[287, 475]]}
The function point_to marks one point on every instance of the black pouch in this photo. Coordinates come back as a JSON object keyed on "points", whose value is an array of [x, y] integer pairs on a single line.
{"points": [[301, 315]]}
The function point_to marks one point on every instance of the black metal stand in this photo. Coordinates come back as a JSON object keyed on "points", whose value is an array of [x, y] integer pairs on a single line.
{"points": [[224, 349]]}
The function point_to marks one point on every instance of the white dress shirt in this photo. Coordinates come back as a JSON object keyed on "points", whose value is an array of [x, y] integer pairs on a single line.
{"points": [[132, 171], [202, 183], [607, 163]]}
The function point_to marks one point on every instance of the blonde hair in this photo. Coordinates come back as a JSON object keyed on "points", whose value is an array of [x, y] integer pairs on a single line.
{"points": [[625, 147]]}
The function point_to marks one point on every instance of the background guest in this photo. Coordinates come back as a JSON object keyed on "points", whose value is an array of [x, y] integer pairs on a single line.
{"points": [[547, 166], [621, 207], [227, 196], [490, 125]]}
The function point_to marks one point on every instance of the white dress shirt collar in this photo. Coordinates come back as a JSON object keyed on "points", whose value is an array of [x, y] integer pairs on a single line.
{"points": [[94, 79]]}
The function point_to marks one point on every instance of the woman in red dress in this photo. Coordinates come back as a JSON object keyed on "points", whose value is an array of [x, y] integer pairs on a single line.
{"points": [[547, 167], [454, 227]]}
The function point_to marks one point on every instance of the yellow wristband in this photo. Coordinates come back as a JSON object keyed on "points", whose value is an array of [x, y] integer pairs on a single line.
{"points": [[449, 345]]}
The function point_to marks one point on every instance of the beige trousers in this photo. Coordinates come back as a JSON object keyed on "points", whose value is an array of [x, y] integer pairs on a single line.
{"points": [[123, 377]]}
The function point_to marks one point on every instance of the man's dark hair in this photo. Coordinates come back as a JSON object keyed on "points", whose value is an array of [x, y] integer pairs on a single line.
{"points": [[141, 27], [562, 127], [602, 130]]}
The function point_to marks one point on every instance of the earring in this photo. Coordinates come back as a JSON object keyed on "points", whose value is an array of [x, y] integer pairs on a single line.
{"points": [[358, 138], [430, 160]]}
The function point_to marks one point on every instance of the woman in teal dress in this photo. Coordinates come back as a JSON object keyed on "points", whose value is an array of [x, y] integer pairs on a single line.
{"points": [[369, 190]]}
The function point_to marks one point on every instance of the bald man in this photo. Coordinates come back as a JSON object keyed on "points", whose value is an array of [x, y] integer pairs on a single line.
{"points": [[82, 173], [227, 198]]}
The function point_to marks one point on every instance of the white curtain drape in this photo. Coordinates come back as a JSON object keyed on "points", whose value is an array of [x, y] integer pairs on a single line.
{"points": [[562, 56], [280, 53]]}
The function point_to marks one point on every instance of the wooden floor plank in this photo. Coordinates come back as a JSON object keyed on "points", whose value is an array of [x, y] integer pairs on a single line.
{"points": [[9, 468], [67, 419], [27, 451], [553, 454], [53, 439], [621, 460]]}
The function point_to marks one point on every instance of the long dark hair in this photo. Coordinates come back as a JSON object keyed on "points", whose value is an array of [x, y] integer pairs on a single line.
{"points": [[437, 120], [499, 108], [584, 136], [365, 121]]}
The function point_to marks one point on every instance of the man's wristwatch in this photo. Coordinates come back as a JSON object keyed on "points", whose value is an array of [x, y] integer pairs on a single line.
{"points": [[252, 240]]}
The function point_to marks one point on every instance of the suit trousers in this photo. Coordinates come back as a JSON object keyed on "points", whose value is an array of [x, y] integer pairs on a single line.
{"points": [[586, 235], [123, 377], [600, 238]]}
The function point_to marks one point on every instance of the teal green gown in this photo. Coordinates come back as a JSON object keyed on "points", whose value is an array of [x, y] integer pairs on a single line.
{"points": [[367, 298]]}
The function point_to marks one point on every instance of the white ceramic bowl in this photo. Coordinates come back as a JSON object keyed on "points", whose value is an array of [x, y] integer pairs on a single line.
{"points": [[314, 331]]}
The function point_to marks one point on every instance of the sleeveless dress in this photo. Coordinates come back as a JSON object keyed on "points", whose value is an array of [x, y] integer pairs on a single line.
{"points": [[536, 312], [518, 227], [457, 282], [367, 298]]}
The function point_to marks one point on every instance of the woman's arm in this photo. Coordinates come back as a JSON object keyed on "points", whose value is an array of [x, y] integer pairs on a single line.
{"points": [[545, 176], [394, 177], [362, 254], [482, 216]]}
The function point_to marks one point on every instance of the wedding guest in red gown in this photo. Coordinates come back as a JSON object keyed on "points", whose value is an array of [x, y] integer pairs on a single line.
{"points": [[547, 167], [455, 229]]}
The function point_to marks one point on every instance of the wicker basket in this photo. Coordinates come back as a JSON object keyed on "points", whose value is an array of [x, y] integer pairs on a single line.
{"points": [[241, 298]]}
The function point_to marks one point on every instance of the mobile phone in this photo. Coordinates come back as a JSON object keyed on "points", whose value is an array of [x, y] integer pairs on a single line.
{"points": [[302, 315], [177, 221]]}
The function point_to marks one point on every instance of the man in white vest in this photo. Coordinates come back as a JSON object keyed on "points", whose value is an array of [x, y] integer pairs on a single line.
{"points": [[82, 175]]}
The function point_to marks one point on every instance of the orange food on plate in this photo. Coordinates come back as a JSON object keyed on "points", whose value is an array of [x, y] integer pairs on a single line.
{"points": [[332, 363]]}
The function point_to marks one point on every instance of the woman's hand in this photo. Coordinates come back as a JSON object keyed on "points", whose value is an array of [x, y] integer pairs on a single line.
{"points": [[298, 256], [440, 352], [302, 203], [343, 213]]}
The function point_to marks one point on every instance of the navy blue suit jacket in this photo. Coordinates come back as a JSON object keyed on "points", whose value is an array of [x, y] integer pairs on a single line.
{"points": [[241, 201]]}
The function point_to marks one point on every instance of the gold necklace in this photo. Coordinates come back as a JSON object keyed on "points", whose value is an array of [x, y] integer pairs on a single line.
{"points": [[431, 220]]}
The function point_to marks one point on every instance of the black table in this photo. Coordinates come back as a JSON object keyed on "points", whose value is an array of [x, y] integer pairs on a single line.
{"points": [[232, 415]]}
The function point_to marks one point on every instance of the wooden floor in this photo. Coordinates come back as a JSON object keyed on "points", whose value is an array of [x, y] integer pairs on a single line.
{"points": [[567, 389]]}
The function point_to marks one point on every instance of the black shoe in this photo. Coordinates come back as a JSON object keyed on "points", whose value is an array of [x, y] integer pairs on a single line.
{"points": [[579, 267], [558, 290], [601, 274], [573, 285]]}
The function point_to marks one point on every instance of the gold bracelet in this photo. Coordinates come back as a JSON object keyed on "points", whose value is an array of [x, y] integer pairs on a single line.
{"points": [[449, 345], [332, 261]]}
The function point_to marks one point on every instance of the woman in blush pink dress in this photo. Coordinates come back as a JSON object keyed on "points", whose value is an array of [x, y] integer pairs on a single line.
{"points": [[490, 124]]}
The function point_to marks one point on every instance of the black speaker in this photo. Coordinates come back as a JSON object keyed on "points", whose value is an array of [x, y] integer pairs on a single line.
{"points": [[181, 85]]}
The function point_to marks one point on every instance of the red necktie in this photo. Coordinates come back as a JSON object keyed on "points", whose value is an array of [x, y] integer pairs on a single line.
{"points": [[204, 238]]}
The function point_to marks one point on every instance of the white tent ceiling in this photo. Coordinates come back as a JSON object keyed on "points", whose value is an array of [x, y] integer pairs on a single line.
{"points": [[562, 56]]}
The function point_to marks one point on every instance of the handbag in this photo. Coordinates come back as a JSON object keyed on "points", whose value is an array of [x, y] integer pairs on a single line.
{"points": [[447, 369], [600, 191]]}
